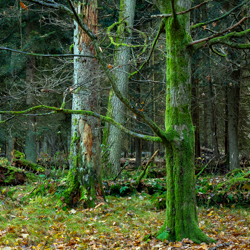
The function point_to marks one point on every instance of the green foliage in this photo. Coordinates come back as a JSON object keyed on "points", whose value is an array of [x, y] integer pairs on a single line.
{"points": [[163, 236]]}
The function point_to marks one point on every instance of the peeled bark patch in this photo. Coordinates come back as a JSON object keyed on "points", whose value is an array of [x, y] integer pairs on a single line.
{"points": [[89, 12], [87, 138]]}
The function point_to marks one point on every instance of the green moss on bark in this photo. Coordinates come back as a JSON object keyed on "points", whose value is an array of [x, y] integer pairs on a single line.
{"points": [[181, 212]]}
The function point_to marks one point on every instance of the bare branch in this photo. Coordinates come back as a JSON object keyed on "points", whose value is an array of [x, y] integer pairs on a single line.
{"points": [[161, 28], [218, 18], [110, 5], [44, 55]]}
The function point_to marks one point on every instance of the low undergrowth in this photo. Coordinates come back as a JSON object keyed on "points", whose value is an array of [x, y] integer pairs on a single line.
{"points": [[36, 222], [30, 217], [211, 190]]}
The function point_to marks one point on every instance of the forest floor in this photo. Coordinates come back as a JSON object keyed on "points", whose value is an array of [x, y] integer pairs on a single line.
{"points": [[30, 217], [121, 223]]}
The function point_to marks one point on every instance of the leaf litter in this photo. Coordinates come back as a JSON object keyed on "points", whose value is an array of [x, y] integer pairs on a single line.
{"points": [[121, 223]]}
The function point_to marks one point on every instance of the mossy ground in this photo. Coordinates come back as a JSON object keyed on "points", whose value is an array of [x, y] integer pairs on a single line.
{"points": [[121, 223]]}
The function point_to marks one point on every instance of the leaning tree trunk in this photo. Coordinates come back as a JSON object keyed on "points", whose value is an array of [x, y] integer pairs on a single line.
{"points": [[233, 96], [116, 108], [181, 212], [84, 178]]}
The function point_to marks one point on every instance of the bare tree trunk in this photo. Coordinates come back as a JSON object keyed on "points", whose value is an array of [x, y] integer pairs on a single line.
{"points": [[84, 178], [226, 122], [205, 122], [213, 122], [233, 110], [10, 147], [113, 136], [196, 115], [30, 140]]}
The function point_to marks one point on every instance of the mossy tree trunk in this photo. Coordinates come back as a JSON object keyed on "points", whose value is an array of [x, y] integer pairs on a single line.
{"points": [[84, 178], [116, 109], [181, 212]]}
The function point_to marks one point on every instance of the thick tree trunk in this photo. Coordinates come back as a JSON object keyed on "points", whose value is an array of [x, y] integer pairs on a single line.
{"points": [[181, 212], [116, 109], [84, 178], [233, 96]]}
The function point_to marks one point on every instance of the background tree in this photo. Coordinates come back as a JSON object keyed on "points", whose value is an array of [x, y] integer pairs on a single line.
{"points": [[116, 109]]}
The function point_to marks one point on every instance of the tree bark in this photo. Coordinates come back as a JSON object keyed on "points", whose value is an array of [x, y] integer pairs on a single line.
{"points": [[226, 122], [213, 122], [181, 212], [233, 97], [116, 109], [10, 147], [138, 152], [84, 178], [30, 140], [196, 115]]}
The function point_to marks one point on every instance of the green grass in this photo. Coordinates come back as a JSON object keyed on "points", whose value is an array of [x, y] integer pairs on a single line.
{"points": [[121, 223]]}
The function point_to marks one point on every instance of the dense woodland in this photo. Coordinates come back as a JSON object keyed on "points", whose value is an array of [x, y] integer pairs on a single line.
{"points": [[128, 113]]}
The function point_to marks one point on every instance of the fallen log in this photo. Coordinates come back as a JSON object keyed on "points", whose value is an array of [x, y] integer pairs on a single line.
{"points": [[19, 162], [10, 175]]}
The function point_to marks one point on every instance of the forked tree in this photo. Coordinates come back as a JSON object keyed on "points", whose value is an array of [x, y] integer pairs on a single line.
{"points": [[178, 137]]}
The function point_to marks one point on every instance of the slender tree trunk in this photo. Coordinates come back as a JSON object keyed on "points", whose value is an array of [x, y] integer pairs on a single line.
{"points": [[10, 147], [138, 152], [205, 122], [233, 111], [30, 140], [116, 109], [196, 116], [226, 122], [138, 142], [84, 178], [45, 145], [181, 212], [213, 122], [153, 146]]}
